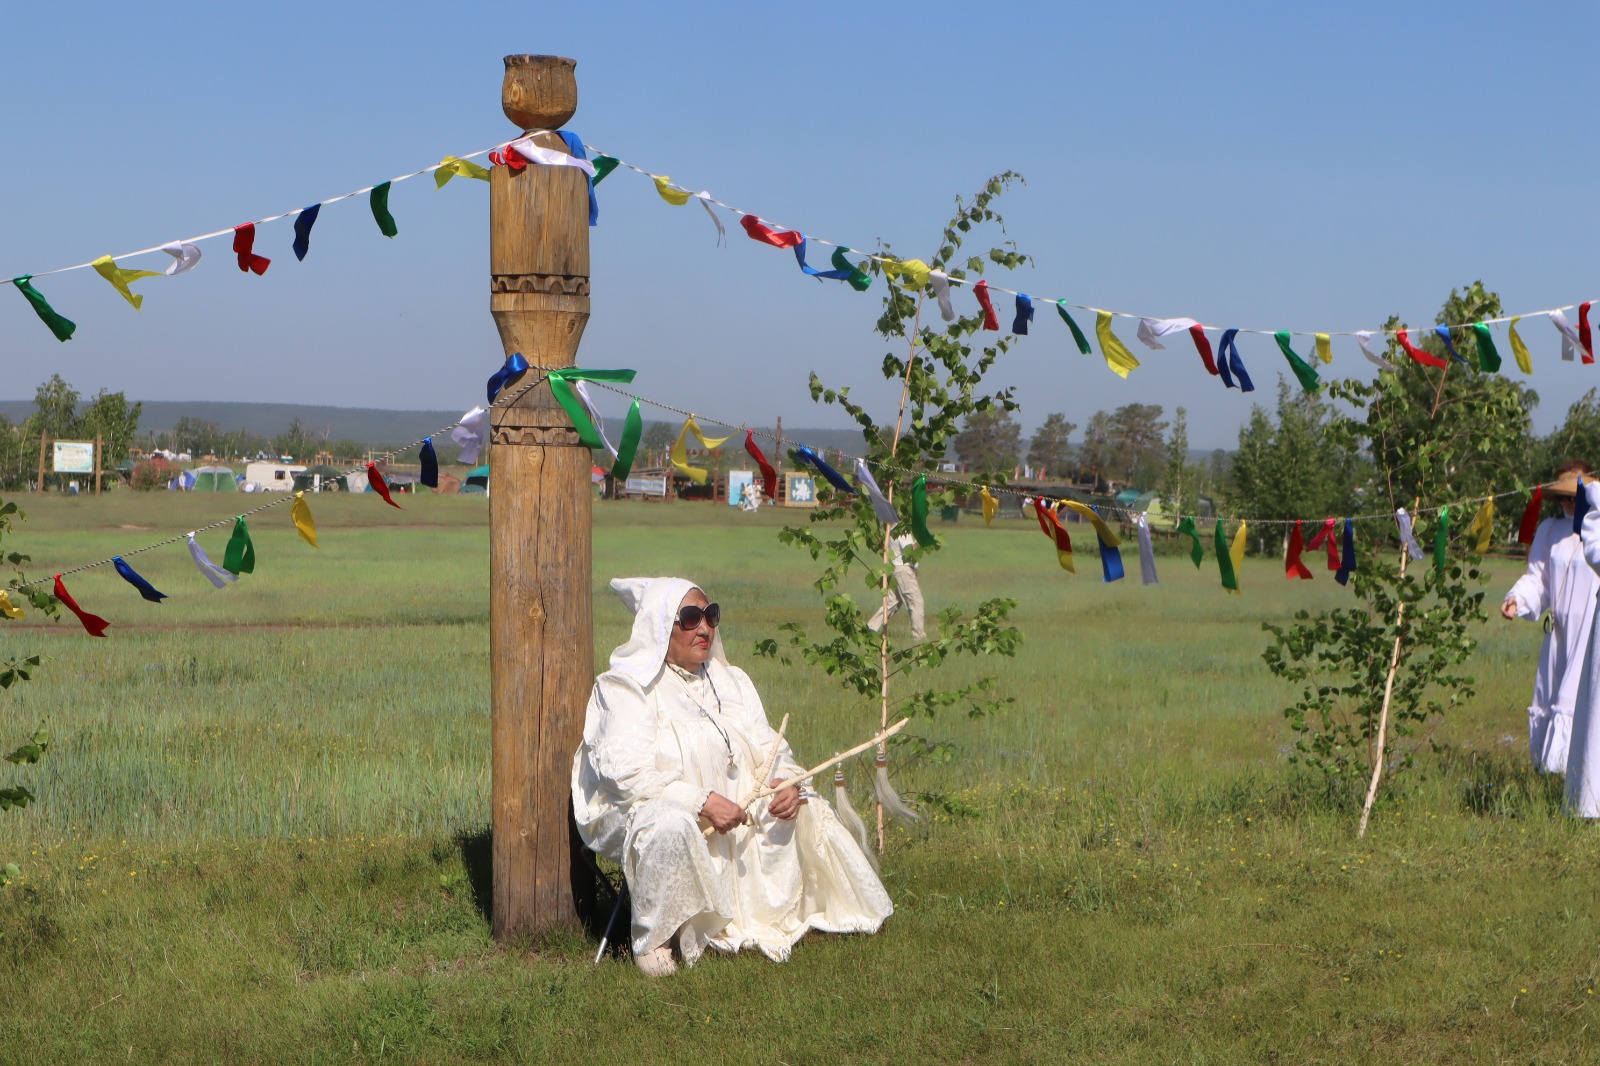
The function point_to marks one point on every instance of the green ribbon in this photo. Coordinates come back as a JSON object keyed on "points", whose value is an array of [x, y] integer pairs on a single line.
{"points": [[240, 558], [1302, 369], [603, 165], [1186, 528], [859, 279], [1230, 580], [1488, 354], [1077, 334], [919, 512], [570, 403], [380, 209], [61, 327], [632, 430], [1441, 539]]}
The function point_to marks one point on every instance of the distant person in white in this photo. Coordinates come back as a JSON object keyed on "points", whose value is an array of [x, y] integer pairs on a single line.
{"points": [[906, 590], [1560, 582], [1583, 758]]}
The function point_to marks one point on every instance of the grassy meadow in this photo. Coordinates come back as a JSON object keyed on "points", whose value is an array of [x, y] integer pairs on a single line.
{"points": [[261, 827]]}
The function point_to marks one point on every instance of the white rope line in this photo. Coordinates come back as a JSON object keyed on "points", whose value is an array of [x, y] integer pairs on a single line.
{"points": [[1041, 303]]}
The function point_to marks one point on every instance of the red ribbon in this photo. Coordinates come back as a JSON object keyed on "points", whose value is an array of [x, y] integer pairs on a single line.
{"points": [[244, 241], [507, 156], [1051, 524], [990, 319], [92, 622], [1583, 331], [1530, 516], [769, 476], [1293, 567], [1203, 346], [767, 235], [1327, 534], [375, 479], [1417, 353]]}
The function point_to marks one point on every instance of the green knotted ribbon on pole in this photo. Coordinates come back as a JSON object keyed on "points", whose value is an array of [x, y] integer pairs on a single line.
{"points": [[919, 512], [380, 209], [1441, 539], [570, 403], [604, 165], [632, 430], [1186, 528], [1230, 580], [1302, 369], [1488, 354], [61, 326], [1077, 335], [859, 279], [240, 558]]}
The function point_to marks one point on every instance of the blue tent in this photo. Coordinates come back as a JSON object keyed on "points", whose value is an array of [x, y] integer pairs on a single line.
{"points": [[477, 482]]}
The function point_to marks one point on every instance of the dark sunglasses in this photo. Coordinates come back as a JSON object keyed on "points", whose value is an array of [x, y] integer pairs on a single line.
{"points": [[691, 616]]}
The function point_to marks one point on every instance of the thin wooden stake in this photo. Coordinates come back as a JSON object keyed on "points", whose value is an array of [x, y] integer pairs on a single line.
{"points": [[1388, 694]]}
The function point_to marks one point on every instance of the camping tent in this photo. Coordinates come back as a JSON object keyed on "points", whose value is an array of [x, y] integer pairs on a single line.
{"points": [[319, 479], [476, 482], [214, 479]]}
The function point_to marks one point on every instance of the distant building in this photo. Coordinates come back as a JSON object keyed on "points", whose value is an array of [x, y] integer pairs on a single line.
{"points": [[271, 475]]}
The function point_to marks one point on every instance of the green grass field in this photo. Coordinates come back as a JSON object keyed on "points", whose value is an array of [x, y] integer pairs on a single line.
{"points": [[258, 831]]}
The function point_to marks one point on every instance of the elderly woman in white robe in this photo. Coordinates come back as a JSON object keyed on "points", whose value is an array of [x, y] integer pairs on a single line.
{"points": [[673, 737], [1561, 582]]}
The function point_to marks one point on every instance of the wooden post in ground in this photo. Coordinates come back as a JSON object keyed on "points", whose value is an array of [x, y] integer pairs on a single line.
{"points": [[98, 445], [44, 445], [540, 613]]}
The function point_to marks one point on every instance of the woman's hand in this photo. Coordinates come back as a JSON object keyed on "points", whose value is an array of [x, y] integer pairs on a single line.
{"points": [[723, 814], [1509, 608], [786, 802]]}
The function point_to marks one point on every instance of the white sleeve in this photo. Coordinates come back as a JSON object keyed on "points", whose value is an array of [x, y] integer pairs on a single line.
{"points": [[1591, 526], [620, 733], [1529, 591]]}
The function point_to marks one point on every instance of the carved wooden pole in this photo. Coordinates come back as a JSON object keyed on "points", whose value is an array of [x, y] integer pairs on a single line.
{"points": [[541, 636]]}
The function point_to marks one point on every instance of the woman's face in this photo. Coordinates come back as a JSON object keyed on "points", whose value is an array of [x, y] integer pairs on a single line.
{"points": [[687, 649]]}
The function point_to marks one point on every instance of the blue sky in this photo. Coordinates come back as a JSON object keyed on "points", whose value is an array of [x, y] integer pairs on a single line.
{"points": [[1259, 165]]}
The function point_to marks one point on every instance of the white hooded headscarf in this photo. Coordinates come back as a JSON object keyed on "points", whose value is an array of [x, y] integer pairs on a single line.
{"points": [[654, 602]]}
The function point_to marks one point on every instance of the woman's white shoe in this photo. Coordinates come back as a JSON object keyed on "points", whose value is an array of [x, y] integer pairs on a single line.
{"points": [[657, 962]]}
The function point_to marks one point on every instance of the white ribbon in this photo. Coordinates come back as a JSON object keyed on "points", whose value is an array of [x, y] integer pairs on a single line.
{"points": [[1147, 553], [704, 196], [469, 434], [525, 147], [1569, 336], [213, 573], [941, 292], [1364, 338], [186, 256], [1406, 534], [594, 415], [885, 509], [1152, 328]]}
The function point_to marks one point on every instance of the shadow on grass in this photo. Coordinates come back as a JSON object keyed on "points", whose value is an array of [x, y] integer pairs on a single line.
{"points": [[596, 885], [1502, 784]]}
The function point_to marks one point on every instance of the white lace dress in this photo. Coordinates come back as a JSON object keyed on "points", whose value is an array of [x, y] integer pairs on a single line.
{"points": [[650, 756]]}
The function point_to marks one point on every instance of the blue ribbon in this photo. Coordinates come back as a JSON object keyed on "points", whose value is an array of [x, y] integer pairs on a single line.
{"points": [[302, 230], [131, 576], [430, 464], [575, 146], [836, 275], [515, 365], [833, 476], [1443, 333], [1110, 557], [1228, 360], [1580, 507], [1347, 555], [1019, 325]]}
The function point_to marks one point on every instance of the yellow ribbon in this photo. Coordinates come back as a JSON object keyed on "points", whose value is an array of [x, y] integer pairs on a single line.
{"points": [[452, 167], [1236, 553], [1118, 358], [1095, 520], [1483, 526], [7, 608], [1520, 350], [913, 270], [676, 197], [107, 268], [990, 506], [680, 450], [301, 513], [1324, 348]]}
